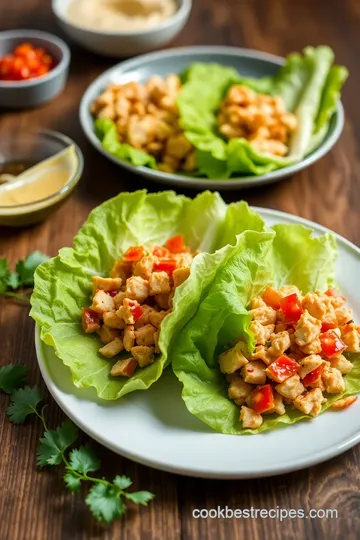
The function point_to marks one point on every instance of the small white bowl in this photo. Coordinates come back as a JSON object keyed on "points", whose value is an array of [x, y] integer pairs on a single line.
{"points": [[123, 43]]}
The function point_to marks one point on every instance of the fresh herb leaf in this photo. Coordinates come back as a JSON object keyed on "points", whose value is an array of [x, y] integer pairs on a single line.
{"points": [[122, 482], [55, 442], [23, 402], [4, 268], [12, 377], [84, 460], [26, 268], [72, 481], [139, 497], [13, 280], [105, 502]]}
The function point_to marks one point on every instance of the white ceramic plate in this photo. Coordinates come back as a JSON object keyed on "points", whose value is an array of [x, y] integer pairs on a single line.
{"points": [[248, 62], [154, 427]]}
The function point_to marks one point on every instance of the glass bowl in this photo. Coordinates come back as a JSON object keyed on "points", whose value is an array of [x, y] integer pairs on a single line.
{"points": [[30, 147]]}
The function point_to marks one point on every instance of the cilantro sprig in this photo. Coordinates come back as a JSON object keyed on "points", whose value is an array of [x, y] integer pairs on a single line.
{"points": [[22, 278], [105, 499]]}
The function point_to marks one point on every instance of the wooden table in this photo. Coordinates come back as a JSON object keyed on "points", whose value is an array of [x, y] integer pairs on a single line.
{"points": [[36, 506]]}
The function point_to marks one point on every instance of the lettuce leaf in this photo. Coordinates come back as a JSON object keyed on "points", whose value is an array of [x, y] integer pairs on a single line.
{"points": [[310, 87], [63, 284], [253, 263]]}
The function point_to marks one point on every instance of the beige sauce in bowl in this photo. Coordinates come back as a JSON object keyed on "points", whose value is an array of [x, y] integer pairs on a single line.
{"points": [[121, 15]]}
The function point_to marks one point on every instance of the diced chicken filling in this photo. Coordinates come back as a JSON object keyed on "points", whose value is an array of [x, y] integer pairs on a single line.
{"points": [[146, 117], [259, 118], [301, 343], [128, 308]]}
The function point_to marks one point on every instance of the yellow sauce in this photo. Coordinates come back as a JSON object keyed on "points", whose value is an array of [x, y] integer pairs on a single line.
{"points": [[41, 181], [120, 15]]}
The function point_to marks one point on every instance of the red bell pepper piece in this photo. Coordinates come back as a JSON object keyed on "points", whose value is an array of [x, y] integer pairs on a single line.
{"points": [[134, 253], [313, 376], [291, 307], [135, 308], [113, 293], [282, 368], [90, 320], [331, 343], [271, 298], [262, 398], [176, 244], [166, 265], [329, 324], [335, 294]]}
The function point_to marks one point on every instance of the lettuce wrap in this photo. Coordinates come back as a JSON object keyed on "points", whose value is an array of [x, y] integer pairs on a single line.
{"points": [[310, 87], [309, 84], [243, 271], [63, 284]]}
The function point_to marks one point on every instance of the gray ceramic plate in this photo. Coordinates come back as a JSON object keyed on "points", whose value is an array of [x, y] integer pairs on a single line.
{"points": [[247, 62]]}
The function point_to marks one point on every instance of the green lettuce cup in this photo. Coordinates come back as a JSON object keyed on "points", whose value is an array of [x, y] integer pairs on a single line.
{"points": [[257, 260], [63, 284], [310, 86]]}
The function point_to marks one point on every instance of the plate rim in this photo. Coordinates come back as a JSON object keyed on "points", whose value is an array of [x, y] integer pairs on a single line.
{"points": [[319, 457], [236, 183]]}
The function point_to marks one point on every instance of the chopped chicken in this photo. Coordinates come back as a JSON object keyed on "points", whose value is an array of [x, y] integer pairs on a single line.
{"points": [[144, 267], [262, 353], [113, 348], [113, 321], [291, 388], [233, 359], [106, 284], [107, 334], [254, 372], [124, 368], [129, 337], [239, 390], [250, 418], [157, 317], [145, 335], [310, 403], [102, 302], [280, 343], [341, 363], [137, 288], [143, 355], [159, 283], [333, 380], [264, 315], [309, 363], [308, 328]]}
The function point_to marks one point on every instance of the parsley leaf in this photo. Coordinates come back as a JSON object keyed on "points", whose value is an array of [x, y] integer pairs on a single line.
{"points": [[139, 497], [13, 280], [23, 402], [122, 482], [84, 460], [26, 268], [4, 268], [12, 377], [54, 443], [105, 503], [72, 481]]}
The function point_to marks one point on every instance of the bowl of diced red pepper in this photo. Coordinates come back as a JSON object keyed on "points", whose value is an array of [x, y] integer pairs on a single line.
{"points": [[33, 67]]}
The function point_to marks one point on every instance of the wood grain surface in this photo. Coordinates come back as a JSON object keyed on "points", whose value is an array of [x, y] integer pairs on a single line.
{"points": [[36, 506]]}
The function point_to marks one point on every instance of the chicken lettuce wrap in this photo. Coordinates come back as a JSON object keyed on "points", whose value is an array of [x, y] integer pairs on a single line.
{"points": [[112, 305], [272, 341], [211, 121]]}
